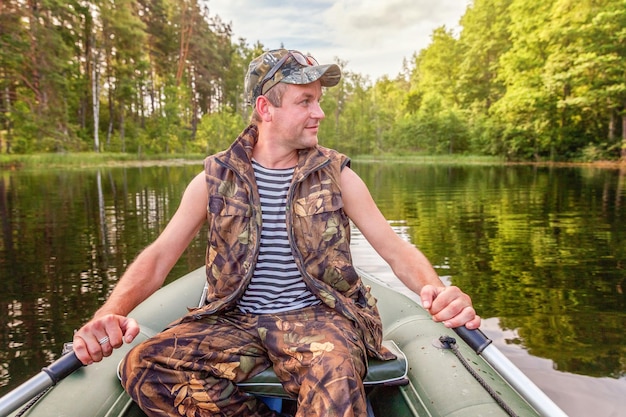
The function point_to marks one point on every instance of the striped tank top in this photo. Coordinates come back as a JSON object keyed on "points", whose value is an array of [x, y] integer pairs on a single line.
{"points": [[276, 284]]}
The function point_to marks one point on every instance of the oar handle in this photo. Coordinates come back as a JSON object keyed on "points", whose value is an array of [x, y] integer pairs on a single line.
{"points": [[63, 367], [475, 338]]}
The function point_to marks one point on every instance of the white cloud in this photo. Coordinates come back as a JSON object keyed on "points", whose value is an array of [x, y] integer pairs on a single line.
{"points": [[372, 36], [374, 20]]}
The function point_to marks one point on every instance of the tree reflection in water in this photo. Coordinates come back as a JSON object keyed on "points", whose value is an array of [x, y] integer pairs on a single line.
{"points": [[541, 250]]}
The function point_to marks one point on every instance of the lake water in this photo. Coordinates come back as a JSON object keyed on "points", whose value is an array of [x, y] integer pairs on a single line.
{"points": [[541, 251]]}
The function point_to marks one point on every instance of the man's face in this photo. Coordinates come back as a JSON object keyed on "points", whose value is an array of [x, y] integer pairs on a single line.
{"points": [[296, 121]]}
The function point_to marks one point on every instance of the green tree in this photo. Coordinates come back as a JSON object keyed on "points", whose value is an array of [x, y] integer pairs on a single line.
{"points": [[527, 108], [388, 98], [333, 104], [356, 132], [13, 47], [218, 130], [525, 79], [435, 122], [438, 67], [587, 72], [574, 124], [124, 38], [485, 37], [40, 76]]}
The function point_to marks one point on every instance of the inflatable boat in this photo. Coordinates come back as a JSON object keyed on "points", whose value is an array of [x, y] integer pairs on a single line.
{"points": [[439, 372]]}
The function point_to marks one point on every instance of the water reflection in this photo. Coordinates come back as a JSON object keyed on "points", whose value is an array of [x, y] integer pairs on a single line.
{"points": [[541, 250], [67, 236]]}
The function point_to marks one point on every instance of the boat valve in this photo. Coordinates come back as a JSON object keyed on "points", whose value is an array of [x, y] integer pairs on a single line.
{"points": [[447, 342]]}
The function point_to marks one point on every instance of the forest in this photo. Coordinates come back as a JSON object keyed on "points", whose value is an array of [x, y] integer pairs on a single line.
{"points": [[523, 80]]}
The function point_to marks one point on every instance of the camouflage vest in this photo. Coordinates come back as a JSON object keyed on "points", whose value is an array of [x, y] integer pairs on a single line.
{"points": [[318, 230]]}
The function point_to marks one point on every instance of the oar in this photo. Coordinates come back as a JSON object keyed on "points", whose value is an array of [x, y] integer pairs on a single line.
{"points": [[48, 377], [481, 344]]}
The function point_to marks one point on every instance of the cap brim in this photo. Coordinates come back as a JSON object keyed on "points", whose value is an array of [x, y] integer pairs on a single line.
{"points": [[329, 75]]}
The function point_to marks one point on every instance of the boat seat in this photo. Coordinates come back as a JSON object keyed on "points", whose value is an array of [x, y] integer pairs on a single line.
{"points": [[389, 373]]}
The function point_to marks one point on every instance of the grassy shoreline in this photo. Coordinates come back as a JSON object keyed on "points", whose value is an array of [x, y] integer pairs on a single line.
{"points": [[95, 160]]}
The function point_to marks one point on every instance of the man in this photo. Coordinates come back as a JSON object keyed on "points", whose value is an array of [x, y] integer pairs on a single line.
{"points": [[282, 289]]}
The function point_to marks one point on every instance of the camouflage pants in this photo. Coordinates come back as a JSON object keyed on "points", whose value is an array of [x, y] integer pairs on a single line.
{"points": [[191, 368]]}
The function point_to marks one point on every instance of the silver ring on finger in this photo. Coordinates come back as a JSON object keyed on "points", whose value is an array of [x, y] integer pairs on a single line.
{"points": [[104, 340]]}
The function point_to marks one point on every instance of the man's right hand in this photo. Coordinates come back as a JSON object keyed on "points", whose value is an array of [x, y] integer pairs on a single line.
{"points": [[97, 339]]}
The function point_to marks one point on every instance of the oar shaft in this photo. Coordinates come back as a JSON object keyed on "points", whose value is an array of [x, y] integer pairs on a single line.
{"points": [[481, 344], [48, 377], [522, 384], [22, 394]]}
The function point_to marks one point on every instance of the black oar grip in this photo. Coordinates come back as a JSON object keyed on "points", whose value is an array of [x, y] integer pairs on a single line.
{"points": [[62, 367], [476, 339]]}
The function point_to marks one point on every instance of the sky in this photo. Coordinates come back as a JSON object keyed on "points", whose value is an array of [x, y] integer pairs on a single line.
{"points": [[372, 37]]}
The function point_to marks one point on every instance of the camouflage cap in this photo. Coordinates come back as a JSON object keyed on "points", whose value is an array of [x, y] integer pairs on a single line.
{"points": [[286, 66]]}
